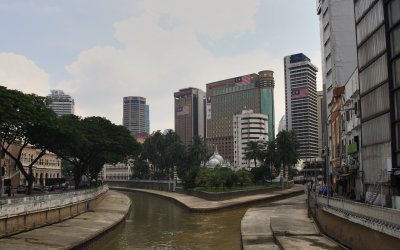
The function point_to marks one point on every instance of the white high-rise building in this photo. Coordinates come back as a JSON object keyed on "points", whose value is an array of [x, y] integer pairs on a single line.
{"points": [[338, 43], [282, 124], [61, 103], [248, 126], [301, 103], [134, 114]]}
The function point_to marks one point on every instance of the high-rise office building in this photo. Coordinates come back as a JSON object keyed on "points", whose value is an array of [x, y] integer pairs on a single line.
{"points": [[147, 114], [301, 103], [61, 103], [229, 97], [321, 125], [338, 47], [247, 127], [378, 48], [282, 124], [189, 114], [134, 114]]}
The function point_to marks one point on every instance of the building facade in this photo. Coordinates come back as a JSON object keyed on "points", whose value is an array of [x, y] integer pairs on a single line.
{"points": [[134, 114], [47, 167], [247, 127], [61, 103], [282, 124], [189, 114], [229, 97], [116, 172], [338, 43], [301, 103], [321, 126], [378, 53], [147, 114]]}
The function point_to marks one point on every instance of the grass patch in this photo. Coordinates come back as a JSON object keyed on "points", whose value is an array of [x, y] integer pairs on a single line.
{"points": [[235, 188]]}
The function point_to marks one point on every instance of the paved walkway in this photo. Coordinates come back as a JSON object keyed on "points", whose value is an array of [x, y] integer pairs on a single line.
{"points": [[201, 205], [282, 224], [73, 232]]}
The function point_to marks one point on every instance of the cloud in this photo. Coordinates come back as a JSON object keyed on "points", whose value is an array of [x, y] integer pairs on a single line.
{"points": [[161, 53], [19, 72]]}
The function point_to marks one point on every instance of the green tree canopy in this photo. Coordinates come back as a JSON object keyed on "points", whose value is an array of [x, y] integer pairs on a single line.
{"points": [[24, 120]]}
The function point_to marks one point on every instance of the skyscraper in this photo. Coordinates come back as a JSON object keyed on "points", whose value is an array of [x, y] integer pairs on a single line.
{"points": [[134, 114], [189, 114], [147, 113], [378, 49], [229, 97], [61, 103], [301, 103]]}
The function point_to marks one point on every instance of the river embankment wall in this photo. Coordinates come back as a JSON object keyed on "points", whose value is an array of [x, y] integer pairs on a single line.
{"points": [[26, 213]]}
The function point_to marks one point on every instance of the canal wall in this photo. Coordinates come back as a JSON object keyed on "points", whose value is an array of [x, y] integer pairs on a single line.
{"points": [[356, 225], [162, 185], [220, 196], [26, 213]]}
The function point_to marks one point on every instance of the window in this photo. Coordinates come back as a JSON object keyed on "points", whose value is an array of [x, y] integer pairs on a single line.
{"points": [[396, 73], [395, 40], [394, 12], [397, 104]]}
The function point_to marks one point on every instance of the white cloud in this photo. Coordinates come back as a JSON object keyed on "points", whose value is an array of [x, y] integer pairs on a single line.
{"points": [[19, 72], [159, 56]]}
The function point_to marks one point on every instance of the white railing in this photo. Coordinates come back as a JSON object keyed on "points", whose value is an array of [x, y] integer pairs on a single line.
{"points": [[16, 206], [387, 215]]}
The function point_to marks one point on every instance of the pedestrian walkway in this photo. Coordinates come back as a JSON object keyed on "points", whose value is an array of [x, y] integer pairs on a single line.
{"points": [[282, 224], [76, 231], [196, 204]]}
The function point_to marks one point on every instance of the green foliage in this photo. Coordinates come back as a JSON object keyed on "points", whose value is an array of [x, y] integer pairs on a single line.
{"points": [[244, 176], [287, 147], [197, 151], [189, 178], [203, 177], [254, 151], [24, 120]]}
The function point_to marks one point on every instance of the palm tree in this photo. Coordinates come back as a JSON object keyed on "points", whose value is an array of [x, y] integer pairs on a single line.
{"points": [[197, 151], [254, 151], [287, 146]]}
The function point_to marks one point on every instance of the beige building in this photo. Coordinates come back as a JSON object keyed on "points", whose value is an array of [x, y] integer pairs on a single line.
{"points": [[116, 172], [48, 166]]}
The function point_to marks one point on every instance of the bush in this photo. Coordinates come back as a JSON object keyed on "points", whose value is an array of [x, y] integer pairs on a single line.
{"points": [[189, 178], [244, 176]]}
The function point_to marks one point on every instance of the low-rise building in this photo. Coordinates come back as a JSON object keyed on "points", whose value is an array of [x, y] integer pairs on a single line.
{"points": [[113, 172]]}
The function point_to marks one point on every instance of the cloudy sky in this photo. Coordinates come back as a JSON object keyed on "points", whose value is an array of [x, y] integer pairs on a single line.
{"points": [[101, 50]]}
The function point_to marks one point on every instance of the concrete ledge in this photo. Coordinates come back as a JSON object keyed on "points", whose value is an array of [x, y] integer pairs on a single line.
{"points": [[196, 204], [22, 214], [75, 232]]}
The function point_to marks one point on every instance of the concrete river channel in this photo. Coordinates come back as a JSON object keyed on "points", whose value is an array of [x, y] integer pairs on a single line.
{"points": [[157, 223]]}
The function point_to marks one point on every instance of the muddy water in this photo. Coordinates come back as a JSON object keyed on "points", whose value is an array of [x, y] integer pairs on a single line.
{"points": [[156, 223]]}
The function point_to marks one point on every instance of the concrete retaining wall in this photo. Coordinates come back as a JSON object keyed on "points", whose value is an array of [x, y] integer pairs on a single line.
{"points": [[22, 214], [353, 235], [219, 196], [163, 185]]}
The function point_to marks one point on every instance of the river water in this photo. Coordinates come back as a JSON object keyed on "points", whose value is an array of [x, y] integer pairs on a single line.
{"points": [[156, 223]]}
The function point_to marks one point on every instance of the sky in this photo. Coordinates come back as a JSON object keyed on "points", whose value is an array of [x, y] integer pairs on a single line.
{"points": [[99, 51]]}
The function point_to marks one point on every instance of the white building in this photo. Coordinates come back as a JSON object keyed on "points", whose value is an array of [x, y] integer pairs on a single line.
{"points": [[248, 126], [113, 172], [301, 103], [338, 43], [61, 103], [282, 124]]}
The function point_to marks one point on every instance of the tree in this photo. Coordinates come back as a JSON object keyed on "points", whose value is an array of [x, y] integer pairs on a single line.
{"points": [[254, 151], [197, 151], [24, 120], [90, 142], [164, 152], [287, 146], [244, 176]]}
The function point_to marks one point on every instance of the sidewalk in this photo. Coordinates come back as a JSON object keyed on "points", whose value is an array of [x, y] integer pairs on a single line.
{"points": [[75, 231], [196, 204], [282, 225]]}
